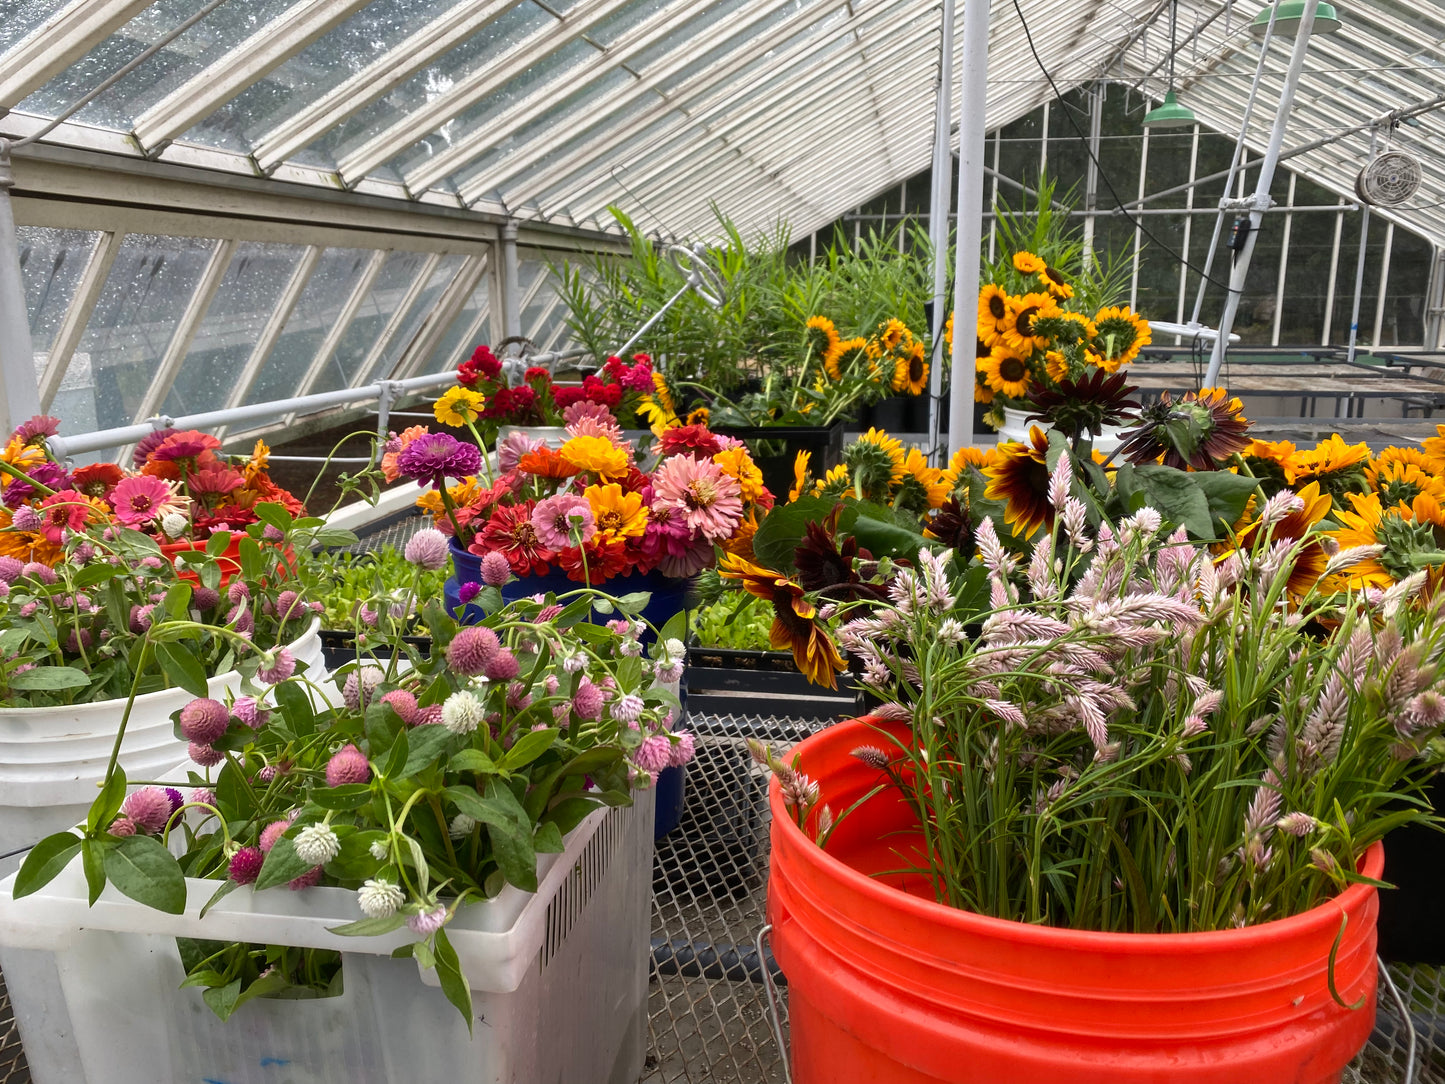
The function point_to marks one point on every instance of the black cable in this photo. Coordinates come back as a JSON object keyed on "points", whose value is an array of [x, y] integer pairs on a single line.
{"points": [[1121, 209]]}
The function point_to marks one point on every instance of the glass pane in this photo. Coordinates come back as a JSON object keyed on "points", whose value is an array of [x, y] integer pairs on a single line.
{"points": [[243, 303], [331, 284], [51, 263], [456, 343], [484, 49], [22, 17], [538, 324], [382, 300], [210, 40], [376, 30], [148, 289], [439, 280]]}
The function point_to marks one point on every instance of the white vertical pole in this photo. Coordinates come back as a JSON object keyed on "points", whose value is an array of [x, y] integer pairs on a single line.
{"points": [[993, 195], [1240, 272], [1360, 261], [511, 282], [1377, 338], [970, 216], [19, 388], [1334, 276], [1091, 171], [1188, 231], [939, 193], [1283, 265], [1138, 227]]}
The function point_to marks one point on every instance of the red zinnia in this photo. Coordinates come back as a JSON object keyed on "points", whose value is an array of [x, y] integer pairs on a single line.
{"points": [[231, 517], [546, 463], [604, 560], [510, 533], [694, 439], [97, 479]]}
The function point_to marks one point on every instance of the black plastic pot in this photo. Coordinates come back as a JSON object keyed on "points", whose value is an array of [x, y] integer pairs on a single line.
{"points": [[824, 442], [338, 647], [1410, 930], [726, 681]]}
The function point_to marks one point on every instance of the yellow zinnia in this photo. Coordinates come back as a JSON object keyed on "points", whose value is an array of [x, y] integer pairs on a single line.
{"points": [[737, 463], [619, 514], [596, 455], [459, 406]]}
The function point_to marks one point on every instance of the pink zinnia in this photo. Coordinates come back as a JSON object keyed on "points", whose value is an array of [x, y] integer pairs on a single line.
{"points": [[64, 511], [555, 519], [513, 446], [695, 558], [215, 481], [185, 445], [41, 425], [709, 501], [138, 500]]}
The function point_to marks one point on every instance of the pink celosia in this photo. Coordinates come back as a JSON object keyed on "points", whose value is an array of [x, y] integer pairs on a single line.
{"points": [[709, 501], [141, 499], [556, 520]]}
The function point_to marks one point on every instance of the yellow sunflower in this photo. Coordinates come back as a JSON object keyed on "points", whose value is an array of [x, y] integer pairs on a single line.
{"points": [[892, 447], [965, 458], [822, 336], [1057, 366], [1054, 281], [1337, 466], [1005, 372], [596, 455], [459, 406], [910, 372], [1434, 449], [697, 416], [1020, 477], [618, 513], [1277, 460], [1415, 457], [1404, 530], [800, 475], [1026, 263], [1401, 483], [948, 332], [928, 480], [845, 357], [1023, 311], [663, 393], [835, 483], [1118, 335], [1078, 329], [993, 313], [795, 622], [892, 332]]}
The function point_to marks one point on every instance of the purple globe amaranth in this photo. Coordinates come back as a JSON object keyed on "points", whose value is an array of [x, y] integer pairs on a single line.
{"points": [[360, 687], [149, 808], [434, 457], [347, 765], [472, 649], [503, 666], [204, 720], [427, 549], [246, 865], [207, 756], [403, 703], [496, 571]]}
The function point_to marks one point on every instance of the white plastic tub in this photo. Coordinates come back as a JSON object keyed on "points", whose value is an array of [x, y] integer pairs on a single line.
{"points": [[52, 759], [559, 982]]}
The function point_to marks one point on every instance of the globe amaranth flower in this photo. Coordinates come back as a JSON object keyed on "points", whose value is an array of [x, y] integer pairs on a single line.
{"points": [[347, 765], [628, 708], [468, 591], [587, 701], [471, 649], [428, 920], [502, 666], [379, 898], [149, 808], [274, 831], [317, 844], [496, 570], [360, 686], [433, 457], [281, 667], [564, 520], [246, 865], [207, 756], [403, 703], [684, 748], [461, 826], [654, 754], [427, 549], [462, 712], [310, 879], [122, 827], [204, 720], [708, 501]]}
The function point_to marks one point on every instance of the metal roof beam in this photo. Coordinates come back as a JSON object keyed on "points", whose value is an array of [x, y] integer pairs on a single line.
{"points": [[62, 40]]}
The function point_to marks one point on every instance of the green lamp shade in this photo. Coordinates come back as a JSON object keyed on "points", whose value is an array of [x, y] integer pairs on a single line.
{"points": [[1286, 23], [1169, 114]]}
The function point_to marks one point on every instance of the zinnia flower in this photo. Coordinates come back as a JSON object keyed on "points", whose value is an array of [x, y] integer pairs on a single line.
{"points": [[557, 518], [37, 428], [218, 481], [510, 533], [618, 515], [190, 444], [709, 501], [141, 499], [693, 439], [67, 510], [458, 406], [433, 457], [596, 455], [512, 447], [97, 479]]}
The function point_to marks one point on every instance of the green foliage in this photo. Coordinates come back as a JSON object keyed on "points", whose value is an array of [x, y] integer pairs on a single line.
{"points": [[346, 581], [737, 620]]}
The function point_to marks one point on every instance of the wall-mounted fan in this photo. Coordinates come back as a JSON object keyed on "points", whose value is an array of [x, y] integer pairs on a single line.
{"points": [[1389, 180]]}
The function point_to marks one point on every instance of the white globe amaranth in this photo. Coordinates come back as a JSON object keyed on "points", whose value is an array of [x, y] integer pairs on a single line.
{"points": [[461, 826], [317, 844], [379, 898], [462, 712], [379, 850], [174, 524]]}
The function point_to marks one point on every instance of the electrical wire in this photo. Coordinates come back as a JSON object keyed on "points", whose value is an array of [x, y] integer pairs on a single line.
{"points": [[1083, 139]]}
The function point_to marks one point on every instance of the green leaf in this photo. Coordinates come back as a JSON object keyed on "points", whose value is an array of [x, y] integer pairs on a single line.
{"points": [[547, 839], [633, 602], [92, 857], [218, 543], [50, 677], [1228, 495], [425, 744], [183, 668], [142, 868], [675, 629], [177, 603], [282, 864], [454, 983], [783, 529], [568, 814], [1178, 498], [471, 760], [107, 802], [94, 574], [397, 758], [345, 797], [334, 536], [222, 999], [227, 887], [370, 927], [592, 760], [886, 538], [486, 810], [45, 861], [295, 707], [531, 745], [274, 514]]}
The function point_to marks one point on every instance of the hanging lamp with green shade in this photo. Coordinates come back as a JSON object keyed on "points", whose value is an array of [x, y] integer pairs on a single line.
{"points": [[1171, 113], [1287, 20]]}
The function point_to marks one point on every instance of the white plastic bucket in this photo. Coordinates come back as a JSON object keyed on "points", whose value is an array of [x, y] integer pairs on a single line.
{"points": [[559, 981], [1016, 427]]}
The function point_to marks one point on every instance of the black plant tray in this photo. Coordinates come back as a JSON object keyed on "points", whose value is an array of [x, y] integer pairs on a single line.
{"points": [[338, 647], [825, 442], [728, 681]]}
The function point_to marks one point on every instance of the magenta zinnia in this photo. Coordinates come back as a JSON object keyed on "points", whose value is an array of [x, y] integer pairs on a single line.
{"points": [[432, 457], [215, 481], [140, 499], [184, 445], [709, 501]]}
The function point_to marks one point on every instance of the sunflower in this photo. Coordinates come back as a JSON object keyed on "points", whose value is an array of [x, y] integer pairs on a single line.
{"points": [[1026, 263], [910, 373], [835, 483], [822, 336], [1086, 405], [795, 623], [993, 312], [1415, 457], [1005, 372], [948, 332], [1118, 336], [1057, 366], [953, 526], [1054, 281], [1338, 467], [459, 406], [892, 332], [698, 416], [875, 464], [800, 475], [1401, 483], [1434, 449], [922, 487], [1020, 477], [1311, 558], [892, 447], [1020, 334], [963, 459], [1274, 463], [1200, 430], [1073, 327], [663, 393], [1406, 532], [845, 357]]}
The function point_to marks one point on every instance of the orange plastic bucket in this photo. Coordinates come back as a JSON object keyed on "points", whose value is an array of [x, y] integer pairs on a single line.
{"points": [[885, 985], [228, 560]]}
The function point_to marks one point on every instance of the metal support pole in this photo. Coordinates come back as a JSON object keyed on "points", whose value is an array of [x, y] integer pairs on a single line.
{"points": [[511, 282], [1378, 337], [1091, 169], [970, 217], [942, 188], [1261, 192], [19, 388], [1360, 262], [387, 393]]}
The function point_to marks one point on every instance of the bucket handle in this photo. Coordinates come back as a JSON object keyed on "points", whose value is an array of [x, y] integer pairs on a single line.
{"points": [[1405, 1017], [775, 1019]]}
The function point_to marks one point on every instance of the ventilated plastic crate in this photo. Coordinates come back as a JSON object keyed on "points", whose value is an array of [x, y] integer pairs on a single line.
{"points": [[559, 982]]}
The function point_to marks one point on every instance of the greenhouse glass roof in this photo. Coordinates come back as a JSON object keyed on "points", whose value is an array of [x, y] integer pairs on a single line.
{"points": [[551, 110]]}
